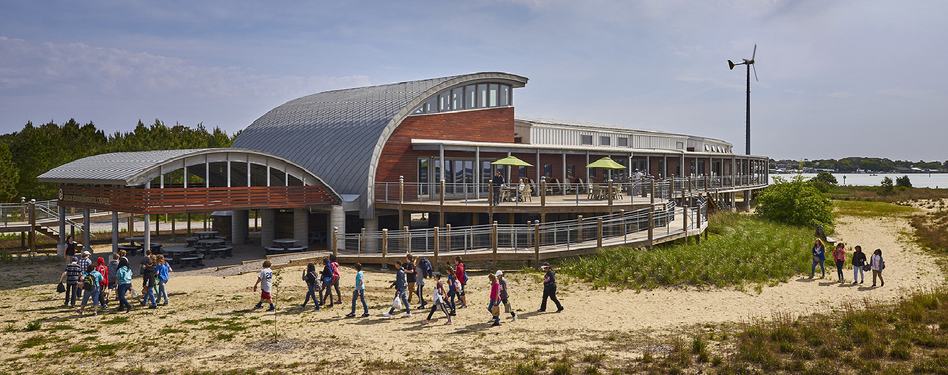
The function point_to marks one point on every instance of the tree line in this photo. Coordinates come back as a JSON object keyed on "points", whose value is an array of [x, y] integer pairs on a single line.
{"points": [[851, 164], [34, 150]]}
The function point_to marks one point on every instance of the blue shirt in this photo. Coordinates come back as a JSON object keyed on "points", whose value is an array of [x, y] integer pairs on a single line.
{"points": [[162, 271], [360, 281], [95, 276], [819, 252], [124, 276]]}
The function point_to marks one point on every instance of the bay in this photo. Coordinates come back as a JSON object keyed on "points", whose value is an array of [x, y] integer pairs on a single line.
{"points": [[919, 180]]}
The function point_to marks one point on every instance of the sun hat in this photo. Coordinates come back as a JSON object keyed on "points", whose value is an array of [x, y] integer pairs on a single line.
{"points": [[498, 273], [86, 253]]}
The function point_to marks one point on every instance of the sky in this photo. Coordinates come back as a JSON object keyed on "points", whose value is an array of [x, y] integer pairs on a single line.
{"points": [[836, 78]]}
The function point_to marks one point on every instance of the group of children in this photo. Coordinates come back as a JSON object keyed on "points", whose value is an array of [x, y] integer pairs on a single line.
{"points": [[860, 264], [96, 283], [409, 281]]}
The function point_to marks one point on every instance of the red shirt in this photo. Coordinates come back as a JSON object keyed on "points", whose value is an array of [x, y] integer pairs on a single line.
{"points": [[105, 274], [459, 272]]}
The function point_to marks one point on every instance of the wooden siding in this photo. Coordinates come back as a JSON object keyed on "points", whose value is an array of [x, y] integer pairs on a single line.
{"points": [[172, 200]]}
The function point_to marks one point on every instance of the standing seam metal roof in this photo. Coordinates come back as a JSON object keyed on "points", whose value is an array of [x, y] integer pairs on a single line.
{"points": [[339, 135]]}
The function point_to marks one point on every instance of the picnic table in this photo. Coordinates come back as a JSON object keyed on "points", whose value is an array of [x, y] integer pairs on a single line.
{"points": [[284, 245], [184, 255], [215, 247], [205, 234]]}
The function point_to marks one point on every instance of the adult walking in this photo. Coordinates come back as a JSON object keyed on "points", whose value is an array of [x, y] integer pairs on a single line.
{"points": [[312, 281], [326, 276], [70, 250], [461, 275], [819, 256], [877, 264], [501, 280], [72, 275], [839, 256], [859, 260], [549, 288]]}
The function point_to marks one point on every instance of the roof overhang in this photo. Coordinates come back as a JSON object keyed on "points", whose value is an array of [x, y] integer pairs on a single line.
{"points": [[466, 146]]}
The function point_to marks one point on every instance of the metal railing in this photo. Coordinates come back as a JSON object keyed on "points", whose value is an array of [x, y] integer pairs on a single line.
{"points": [[514, 238]]}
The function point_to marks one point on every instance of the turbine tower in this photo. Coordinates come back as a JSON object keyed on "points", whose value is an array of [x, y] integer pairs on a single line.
{"points": [[749, 63]]}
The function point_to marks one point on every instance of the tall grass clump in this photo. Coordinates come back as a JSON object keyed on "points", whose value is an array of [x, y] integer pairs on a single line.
{"points": [[741, 249]]}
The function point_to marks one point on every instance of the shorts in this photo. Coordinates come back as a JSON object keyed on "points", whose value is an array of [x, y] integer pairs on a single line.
{"points": [[264, 295], [411, 286], [462, 289]]}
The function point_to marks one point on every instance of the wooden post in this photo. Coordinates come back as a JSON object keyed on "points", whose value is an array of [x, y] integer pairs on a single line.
{"points": [[335, 241], [493, 241], [158, 224], [33, 228], [406, 240], [599, 231], [684, 219], [536, 242], [609, 193], [401, 189], [384, 247], [490, 202], [173, 233], [542, 192], [131, 225], [205, 220], [437, 245], [448, 239], [579, 228], [361, 240], [698, 224], [651, 225], [441, 206], [189, 224]]}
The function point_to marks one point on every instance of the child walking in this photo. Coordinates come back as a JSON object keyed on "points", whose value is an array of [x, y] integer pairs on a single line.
{"points": [[401, 289], [494, 306], [312, 280], [265, 280], [453, 286], [359, 292], [438, 300], [839, 255], [163, 270], [502, 281], [859, 260]]}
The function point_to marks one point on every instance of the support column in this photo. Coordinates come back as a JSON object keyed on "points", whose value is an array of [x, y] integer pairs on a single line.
{"points": [[61, 246], [301, 226], [267, 226], [86, 231], [371, 242], [337, 219], [239, 220], [115, 231], [147, 233]]}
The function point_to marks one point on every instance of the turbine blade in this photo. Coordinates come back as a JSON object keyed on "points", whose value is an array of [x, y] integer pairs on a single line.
{"points": [[755, 52], [755, 72]]}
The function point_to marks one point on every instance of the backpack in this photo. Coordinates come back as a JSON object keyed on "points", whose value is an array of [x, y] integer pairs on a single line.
{"points": [[426, 266], [88, 282]]}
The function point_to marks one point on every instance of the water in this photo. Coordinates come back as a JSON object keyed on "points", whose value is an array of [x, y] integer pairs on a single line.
{"points": [[919, 180]]}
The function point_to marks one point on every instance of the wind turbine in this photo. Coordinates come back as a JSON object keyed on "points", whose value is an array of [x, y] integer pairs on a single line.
{"points": [[749, 63]]}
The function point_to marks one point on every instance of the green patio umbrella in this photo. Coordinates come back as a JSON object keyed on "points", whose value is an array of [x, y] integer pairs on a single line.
{"points": [[514, 161], [606, 163]]}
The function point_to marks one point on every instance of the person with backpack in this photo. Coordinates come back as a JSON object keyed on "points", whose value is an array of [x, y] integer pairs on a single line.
{"points": [[148, 283], [104, 284], [113, 267], [311, 280], [461, 276], [326, 277], [424, 271], [123, 276], [335, 276], [91, 280], [84, 261], [502, 282], [877, 264], [359, 292], [453, 286], [859, 260], [437, 300], [163, 272], [72, 274], [401, 289]]}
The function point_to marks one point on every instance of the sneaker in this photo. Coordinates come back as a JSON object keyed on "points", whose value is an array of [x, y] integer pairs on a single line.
{"points": [[559, 309], [496, 324], [271, 308], [387, 315], [165, 304], [152, 306], [316, 309], [855, 282], [350, 315], [422, 307], [463, 307], [366, 315], [448, 323], [515, 318], [407, 315], [303, 306], [883, 284], [541, 310], [256, 307], [94, 313], [873, 285], [425, 321]]}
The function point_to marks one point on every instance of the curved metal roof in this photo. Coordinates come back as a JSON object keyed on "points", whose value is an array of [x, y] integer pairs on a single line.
{"points": [[137, 168], [340, 134]]}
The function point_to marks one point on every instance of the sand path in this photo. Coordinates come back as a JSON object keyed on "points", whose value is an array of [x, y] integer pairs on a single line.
{"points": [[593, 320]]}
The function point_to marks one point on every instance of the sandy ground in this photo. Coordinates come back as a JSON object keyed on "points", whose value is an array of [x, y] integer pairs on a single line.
{"points": [[211, 323]]}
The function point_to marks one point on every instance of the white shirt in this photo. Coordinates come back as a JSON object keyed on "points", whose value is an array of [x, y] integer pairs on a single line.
{"points": [[266, 279]]}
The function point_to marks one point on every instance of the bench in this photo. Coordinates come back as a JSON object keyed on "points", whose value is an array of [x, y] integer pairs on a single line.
{"points": [[296, 249], [274, 250], [223, 251], [191, 241], [195, 260]]}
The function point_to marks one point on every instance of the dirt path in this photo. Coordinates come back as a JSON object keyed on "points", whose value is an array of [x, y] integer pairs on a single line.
{"points": [[211, 323]]}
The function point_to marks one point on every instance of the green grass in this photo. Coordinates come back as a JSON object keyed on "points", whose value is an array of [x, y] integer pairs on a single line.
{"points": [[741, 249], [870, 209]]}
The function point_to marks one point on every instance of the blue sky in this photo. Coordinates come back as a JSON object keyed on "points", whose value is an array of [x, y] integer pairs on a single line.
{"points": [[837, 78]]}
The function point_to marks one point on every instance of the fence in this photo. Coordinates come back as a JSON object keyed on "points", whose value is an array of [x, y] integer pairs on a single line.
{"points": [[622, 227]]}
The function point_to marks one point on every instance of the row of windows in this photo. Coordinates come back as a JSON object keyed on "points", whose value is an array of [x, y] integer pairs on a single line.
{"points": [[605, 141], [474, 96]]}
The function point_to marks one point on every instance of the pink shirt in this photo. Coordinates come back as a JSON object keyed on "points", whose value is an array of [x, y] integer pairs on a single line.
{"points": [[495, 291], [839, 254]]}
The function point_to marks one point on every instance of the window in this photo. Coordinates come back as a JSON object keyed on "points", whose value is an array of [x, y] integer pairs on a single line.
{"points": [[604, 141], [482, 95], [622, 142], [457, 98], [548, 170], [592, 173], [504, 95], [470, 100], [587, 140], [431, 106], [493, 94], [571, 171], [680, 145], [444, 101], [522, 172]]}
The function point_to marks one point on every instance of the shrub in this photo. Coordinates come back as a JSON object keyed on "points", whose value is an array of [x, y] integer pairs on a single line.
{"points": [[794, 202], [885, 188], [903, 181]]}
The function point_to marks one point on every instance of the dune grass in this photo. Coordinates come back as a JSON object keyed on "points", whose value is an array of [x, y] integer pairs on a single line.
{"points": [[870, 209], [741, 250]]}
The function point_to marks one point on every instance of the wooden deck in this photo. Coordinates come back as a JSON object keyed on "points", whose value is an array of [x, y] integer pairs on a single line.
{"points": [[552, 204]]}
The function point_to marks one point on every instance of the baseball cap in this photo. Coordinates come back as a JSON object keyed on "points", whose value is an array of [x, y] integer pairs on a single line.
{"points": [[544, 265], [498, 273], [75, 259], [86, 253]]}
